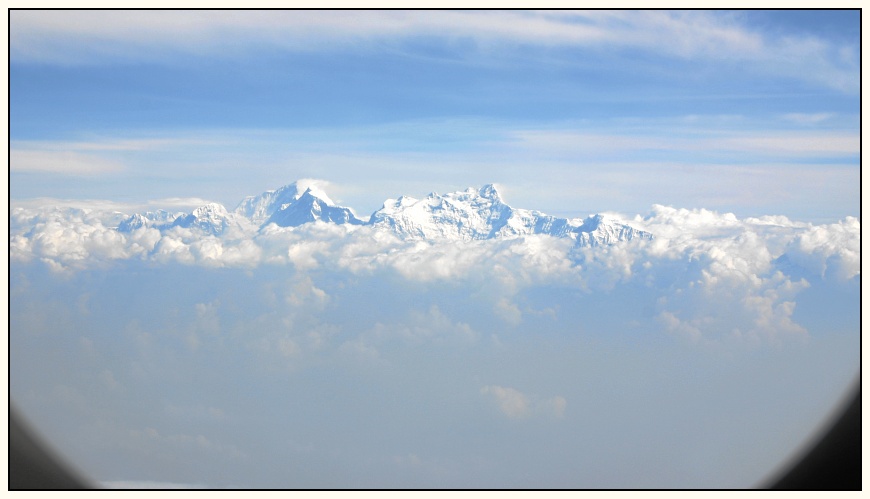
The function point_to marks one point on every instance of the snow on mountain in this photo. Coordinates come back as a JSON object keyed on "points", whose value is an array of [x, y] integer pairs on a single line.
{"points": [[472, 214], [295, 204], [212, 218], [259, 208], [599, 229], [311, 206], [476, 214], [157, 219], [466, 215]]}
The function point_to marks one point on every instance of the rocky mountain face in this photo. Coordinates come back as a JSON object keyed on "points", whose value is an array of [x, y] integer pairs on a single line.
{"points": [[472, 214]]}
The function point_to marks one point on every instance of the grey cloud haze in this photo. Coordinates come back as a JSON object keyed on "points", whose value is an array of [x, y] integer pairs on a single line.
{"points": [[340, 356]]}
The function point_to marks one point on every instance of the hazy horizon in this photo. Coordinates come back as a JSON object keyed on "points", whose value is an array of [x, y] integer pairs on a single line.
{"points": [[694, 336]]}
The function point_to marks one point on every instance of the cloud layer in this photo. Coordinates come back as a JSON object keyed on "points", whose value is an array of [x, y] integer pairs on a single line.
{"points": [[714, 277], [101, 36], [180, 357]]}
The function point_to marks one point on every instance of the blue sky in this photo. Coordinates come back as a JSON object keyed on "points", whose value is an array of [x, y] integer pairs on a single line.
{"points": [[330, 355], [572, 113]]}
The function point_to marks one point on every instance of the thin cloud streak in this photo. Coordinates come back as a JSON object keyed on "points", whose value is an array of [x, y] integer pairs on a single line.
{"points": [[61, 162], [600, 165], [96, 37], [807, 145]]}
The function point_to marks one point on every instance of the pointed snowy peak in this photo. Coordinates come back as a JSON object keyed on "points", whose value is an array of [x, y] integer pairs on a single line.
{"points": [[489, 191], [601, 229], [211, 211], [462, 215], [259, 208], [591, 223], [317, 193], [156, 219], [212, 218], [482, 214], [311, 206]]}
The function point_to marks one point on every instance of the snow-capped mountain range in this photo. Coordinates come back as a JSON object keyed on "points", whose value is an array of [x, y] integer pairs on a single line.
{"points": [[472, 214]]}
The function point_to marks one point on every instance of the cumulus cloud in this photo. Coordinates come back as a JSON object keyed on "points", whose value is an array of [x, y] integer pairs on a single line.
{"points": [[511, 402], [715, 275], [356, 341], [829, 249], [430, 326]]}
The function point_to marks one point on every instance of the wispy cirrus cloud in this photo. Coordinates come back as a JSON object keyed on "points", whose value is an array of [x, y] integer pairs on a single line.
{"points": [[709, 161], [86, 157], [808, 118], [782, 143], [95, 37], [62, 162]]}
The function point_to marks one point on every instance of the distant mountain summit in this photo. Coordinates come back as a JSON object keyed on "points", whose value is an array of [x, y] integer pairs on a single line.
{"points": [[310, 207], [293, 205], [476, 214], [259, 208], [472, 214], [157, 218], [212, 218]]}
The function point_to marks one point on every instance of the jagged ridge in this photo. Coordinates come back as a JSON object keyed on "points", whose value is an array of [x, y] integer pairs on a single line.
{"points": [[473, 214]]}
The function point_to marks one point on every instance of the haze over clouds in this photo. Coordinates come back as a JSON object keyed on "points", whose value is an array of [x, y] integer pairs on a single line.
{"points": [[660, 289]]}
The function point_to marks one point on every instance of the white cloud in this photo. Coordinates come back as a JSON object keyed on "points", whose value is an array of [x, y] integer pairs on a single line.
{"points": [[829, 249], [793, 144], [106, 144], [710, 141], [62, 162], [302, 253], [808, 118], [85, 158], [511, 402], [178, 203], [508, 311], [716, 277], [304, 294], [432, 326], [713, 162], [83, 37]]}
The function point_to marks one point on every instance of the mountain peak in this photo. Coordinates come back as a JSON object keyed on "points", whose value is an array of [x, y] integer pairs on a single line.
{"points": [[316, 192], [210, 209], [311, 205], [490, 191], [212, 218], [261, 207], [470, 214]]}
